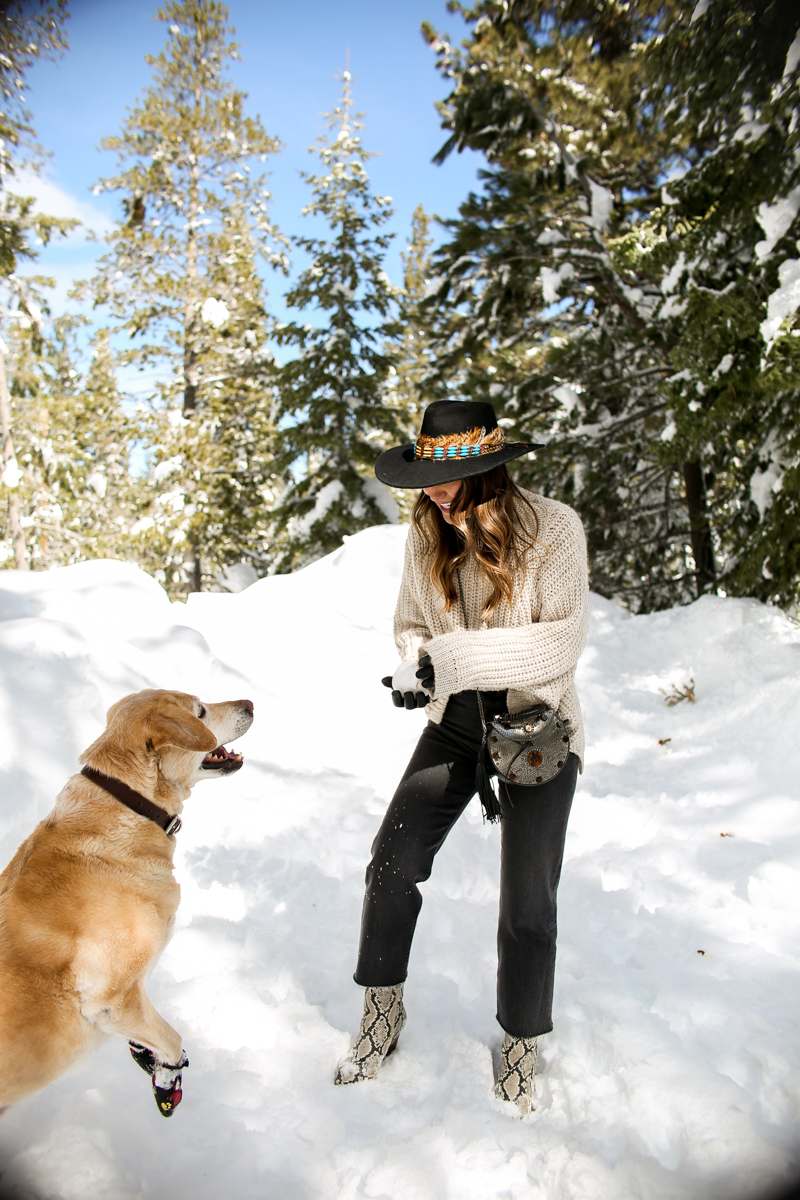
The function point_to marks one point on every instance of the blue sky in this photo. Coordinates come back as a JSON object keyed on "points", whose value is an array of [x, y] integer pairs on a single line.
{"points": [[291, 53]]}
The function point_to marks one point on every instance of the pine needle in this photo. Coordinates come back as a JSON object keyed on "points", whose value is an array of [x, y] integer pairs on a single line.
{"points": [[676, 695]]}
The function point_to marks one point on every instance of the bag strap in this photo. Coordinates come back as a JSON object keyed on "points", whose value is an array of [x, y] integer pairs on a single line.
{"points": [[483, 715], [490, 804]]}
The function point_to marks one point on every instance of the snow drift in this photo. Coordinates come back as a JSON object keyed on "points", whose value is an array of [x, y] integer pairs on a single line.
{"points": [[673, 1067]]}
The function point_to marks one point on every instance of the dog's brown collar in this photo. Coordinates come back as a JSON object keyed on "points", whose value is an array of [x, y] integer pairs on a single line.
{"points": [[140, 804]]}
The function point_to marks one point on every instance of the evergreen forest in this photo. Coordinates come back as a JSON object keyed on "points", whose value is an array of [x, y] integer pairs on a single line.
{"points": [[622, 284]]}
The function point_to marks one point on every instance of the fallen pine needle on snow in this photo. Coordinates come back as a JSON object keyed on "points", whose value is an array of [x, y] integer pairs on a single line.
{"points": [[676, 695]]}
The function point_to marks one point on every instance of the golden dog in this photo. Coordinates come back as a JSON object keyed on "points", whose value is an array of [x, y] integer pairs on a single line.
{"points": [[88, 902]]}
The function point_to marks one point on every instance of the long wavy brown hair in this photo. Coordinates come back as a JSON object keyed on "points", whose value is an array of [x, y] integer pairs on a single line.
{"points": [[486, 524]]}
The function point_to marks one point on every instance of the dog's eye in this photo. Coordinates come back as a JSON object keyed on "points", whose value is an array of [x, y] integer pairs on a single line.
{"points": [[202, 712]]}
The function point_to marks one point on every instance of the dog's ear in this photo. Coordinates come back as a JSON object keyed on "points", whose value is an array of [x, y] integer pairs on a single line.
{"points": [[172, 725]]}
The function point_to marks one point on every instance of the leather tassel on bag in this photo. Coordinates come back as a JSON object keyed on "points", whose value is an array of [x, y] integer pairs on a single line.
{"points": [[490, 804]]}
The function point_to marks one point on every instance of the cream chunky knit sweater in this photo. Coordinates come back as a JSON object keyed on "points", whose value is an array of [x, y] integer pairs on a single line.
{"points": [[531, 648]]}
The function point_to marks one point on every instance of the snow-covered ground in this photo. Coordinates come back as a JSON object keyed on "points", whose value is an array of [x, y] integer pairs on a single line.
{"points": [[673, 1070]]}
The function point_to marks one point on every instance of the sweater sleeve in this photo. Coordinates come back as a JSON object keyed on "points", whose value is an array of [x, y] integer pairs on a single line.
{"points": [[527, 657], [410, 628]]}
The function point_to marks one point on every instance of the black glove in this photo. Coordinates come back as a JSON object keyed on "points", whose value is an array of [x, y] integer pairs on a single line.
{"points": [[425, 672], [408, 700]]}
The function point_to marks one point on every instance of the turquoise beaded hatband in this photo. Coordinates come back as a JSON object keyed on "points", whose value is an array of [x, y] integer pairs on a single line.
{"points": [[474, 443], [448, 452], [458, 438]]}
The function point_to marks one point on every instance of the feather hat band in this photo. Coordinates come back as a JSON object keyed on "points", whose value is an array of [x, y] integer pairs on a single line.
{"points": [[458, 438]]}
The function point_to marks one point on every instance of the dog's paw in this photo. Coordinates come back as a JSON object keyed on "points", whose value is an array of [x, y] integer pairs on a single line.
{"points": [[165, 1077], [143, 1057], [167, 1081], [168, 1098]]}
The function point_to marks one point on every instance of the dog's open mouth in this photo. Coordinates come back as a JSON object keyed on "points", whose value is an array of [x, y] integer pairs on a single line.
{"points": [[222, 760]]}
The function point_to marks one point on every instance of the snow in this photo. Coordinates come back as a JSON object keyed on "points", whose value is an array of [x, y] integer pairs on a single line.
{"points": [[602, 206], [765, 483], [792, 57], [673, 307], [700, 8], [375, 491], [553, 279], [671, 1073], [404, 677], [214, 312], [326, 497], [750, 131], [776, 220], [236, 577], [12, 475], [167, 468], [344, 292], [783, 302], [723, 366], [673, 276], [98, 483], [567, 397]]}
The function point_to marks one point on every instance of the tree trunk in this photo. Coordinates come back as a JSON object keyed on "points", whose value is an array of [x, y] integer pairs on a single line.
{"points": [[196, 574], [190, 310], [190, 314], [705, 571], [17, 536], [190, 317]]}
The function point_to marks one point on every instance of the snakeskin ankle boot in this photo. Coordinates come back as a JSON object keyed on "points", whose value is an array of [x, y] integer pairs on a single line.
{"points": [[517, 1068], [384, 1017]]}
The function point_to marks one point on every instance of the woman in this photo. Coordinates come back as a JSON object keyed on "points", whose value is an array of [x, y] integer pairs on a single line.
{"points": [[492, 617]]}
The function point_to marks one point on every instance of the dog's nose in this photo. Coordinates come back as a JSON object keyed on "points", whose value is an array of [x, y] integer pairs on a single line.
{"points": [[248, 704]]}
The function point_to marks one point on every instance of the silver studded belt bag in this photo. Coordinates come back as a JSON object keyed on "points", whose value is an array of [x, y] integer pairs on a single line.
{"points": [[527, 748]]}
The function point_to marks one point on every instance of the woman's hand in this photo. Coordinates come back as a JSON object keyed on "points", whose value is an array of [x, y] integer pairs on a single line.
{"points": [[425, 673], [407, 686]]}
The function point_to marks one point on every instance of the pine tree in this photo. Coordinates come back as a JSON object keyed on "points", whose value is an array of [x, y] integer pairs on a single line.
{"points": [[722, 247], [20, 387], [409, 383], [27, 33], [181, 275], [413, 350], [76, 497], [549, 324], [620, 317], [91, 437], [333, 395], [214, 477]]}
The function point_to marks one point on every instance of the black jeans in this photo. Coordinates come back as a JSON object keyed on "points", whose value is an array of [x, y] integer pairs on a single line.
{"points": [[436, 788]]}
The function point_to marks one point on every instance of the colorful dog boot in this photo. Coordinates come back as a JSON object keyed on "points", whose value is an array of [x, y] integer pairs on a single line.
{"points": [[167, 1085], [384, 1017], [166, 1079], [517, 1069]]}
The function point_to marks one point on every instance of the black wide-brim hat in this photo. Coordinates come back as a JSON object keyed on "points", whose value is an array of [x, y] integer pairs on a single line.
{"points": [[459, 438]]}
